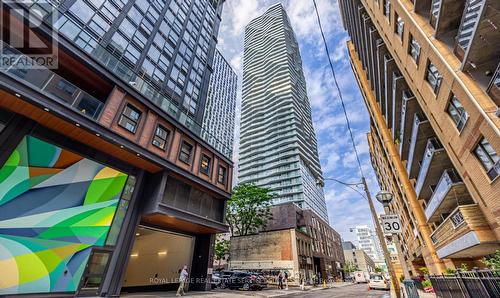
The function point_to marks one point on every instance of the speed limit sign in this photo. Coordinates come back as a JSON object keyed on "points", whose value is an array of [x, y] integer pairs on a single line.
{"points": [[391, 223]]}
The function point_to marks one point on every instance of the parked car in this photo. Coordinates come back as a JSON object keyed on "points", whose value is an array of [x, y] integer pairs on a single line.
{"points": [[246, 281], [223, 277], [378, 281]]}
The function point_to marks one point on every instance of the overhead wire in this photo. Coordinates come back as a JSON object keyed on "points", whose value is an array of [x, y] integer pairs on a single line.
{"points": [[338, 90]]}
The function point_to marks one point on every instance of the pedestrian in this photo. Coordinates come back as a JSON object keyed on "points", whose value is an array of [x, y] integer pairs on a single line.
{"points": [[286, 280], [280, 281], [182, 279]]}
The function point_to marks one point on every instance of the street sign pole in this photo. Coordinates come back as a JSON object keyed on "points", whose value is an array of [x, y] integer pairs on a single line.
{"points": [[381, 238]]}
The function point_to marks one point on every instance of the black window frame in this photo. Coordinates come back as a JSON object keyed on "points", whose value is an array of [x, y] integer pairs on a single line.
{"points": [[189, 157], [492, 172], [413, 41], [438, 77], [400, 23], [209, 164], [460, 111], [135, 121], [224, 175], [157, 136]]}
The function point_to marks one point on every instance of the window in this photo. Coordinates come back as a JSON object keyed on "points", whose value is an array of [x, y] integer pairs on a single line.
{"points": [[414, 49], [433, 77], [160, 137], [185, 153], [205, 164], [221, 177], [457, 112], [387, 9], [400, 25], [130, 118], [488, 158]]}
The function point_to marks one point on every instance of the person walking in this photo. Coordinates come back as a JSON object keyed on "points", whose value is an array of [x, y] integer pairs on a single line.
{"points": [[182, 279], [286, 280], [280, 281]]}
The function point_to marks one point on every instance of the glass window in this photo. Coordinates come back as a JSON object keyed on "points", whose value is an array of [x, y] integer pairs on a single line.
{"points": [[400, 24], [185, 153], [387, 9], [433, 77], [130, 118], [121, 211], [414, 49], [457, 113], [221, 177], [82, 11], [160, 137], [488, 158], [205, 164]]}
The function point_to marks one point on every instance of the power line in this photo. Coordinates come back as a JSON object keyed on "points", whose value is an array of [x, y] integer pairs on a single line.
{"points": [[338, 89]]}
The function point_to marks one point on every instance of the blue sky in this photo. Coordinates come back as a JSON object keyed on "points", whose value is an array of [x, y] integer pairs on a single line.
{"points": [[346, 208]]}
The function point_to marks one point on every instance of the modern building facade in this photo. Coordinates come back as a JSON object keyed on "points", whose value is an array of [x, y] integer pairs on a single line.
{"points": [[296, 240], [106, 184], [220, 110], [357, 257], [428, 72], [278, 147], [368, 241]]}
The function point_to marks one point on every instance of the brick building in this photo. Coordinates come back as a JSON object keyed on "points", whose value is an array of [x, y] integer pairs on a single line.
{"points": [[429, 74]]}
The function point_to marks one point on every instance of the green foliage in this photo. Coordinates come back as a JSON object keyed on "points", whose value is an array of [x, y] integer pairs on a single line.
{"points": [[221, 249], [401, 278], [248, 210], [350, 267], [464, 267], [493, 262], [449, 271], [424, 270], [378, 269], [426, 283]]}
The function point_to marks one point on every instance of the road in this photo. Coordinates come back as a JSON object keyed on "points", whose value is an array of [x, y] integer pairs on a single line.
{"points": [[358, 291]]}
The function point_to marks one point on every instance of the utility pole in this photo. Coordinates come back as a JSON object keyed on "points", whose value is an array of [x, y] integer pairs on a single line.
{"points": [[381, 238]]}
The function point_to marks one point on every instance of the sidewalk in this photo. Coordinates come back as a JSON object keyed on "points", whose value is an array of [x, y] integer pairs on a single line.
{"points": [[218, 293], [421, 294]]}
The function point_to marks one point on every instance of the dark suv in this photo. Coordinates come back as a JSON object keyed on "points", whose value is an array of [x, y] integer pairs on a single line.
{"points": [[246, 281]]}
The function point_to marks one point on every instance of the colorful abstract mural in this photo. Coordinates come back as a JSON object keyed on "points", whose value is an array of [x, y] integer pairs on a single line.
{"points": [[54, 207]]}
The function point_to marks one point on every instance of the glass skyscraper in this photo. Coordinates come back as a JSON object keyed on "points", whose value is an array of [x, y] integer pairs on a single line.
{"points": [[220, 110], [278, 147]]}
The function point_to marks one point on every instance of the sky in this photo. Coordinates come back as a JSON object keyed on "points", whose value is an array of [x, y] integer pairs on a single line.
{"points": [[346, 208]]}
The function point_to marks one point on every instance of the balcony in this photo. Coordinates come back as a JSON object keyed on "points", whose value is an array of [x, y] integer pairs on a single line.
{"points": [[449, 192], [390, 68], [380, 84], [435, 11], [465, 234], [493, 89], [466, 30], [398, 85], [421, 131], [433, 162], [409, 106], [49, 83]]}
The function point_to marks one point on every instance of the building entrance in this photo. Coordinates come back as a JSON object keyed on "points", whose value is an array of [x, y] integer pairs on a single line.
{"points": [[155, 260]]}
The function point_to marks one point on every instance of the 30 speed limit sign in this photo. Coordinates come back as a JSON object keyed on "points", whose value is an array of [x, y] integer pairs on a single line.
{"points": [[391, 223]]}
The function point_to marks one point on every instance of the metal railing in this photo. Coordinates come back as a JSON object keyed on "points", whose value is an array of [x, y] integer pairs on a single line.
{"points": [[49, 83], [448, 179], [470, 17], [468, 284], [433, 145]]}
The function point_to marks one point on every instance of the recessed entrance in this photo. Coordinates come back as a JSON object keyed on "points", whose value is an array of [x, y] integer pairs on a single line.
{"points": [[155, 260]]}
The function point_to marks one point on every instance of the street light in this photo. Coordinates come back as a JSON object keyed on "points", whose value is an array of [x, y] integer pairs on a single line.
{"points": [[378, 230], [384, 197]]}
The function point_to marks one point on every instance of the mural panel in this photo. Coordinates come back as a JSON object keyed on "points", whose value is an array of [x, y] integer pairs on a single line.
{"points": [[54, 207]]}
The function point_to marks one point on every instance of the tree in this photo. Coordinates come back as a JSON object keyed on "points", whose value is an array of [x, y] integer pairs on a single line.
{"points": [[350, 267], [222, 247], [249, 209], [493, 262]]}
